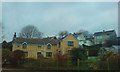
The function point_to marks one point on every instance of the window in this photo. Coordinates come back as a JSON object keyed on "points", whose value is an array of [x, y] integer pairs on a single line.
{"points": [[55, 44], [49, 46], [59, 44], [24, 45], [59, 51], [70, 43], [39, 55], [69, 51], [48, 54], [85, 42], [26, 54], [39, 46], [18, 45]]}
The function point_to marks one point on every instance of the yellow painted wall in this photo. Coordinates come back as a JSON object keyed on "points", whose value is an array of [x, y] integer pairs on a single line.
{"points": [[32, 49], [64, 44]]}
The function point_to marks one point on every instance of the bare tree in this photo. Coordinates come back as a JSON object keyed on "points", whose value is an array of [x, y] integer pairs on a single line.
{"points": [[30, 31], [2, 36], [85, 33], [63, 33]]}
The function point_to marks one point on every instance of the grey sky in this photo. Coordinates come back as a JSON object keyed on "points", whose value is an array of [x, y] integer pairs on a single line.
{"points": [[60, 0], [52, 17], [0, 21]]}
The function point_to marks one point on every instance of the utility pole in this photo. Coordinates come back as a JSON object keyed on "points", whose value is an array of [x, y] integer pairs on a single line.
{"points": [[108, 64]]}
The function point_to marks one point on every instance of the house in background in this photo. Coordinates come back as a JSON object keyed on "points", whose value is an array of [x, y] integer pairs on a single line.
{"points": [[101, 37], [67, 43], [89, 41], [115, 49], [35, 47], [83, 40], [45, 47], [50, 46]]}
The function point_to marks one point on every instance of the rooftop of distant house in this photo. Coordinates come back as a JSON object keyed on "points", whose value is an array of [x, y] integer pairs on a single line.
{"points": [[42, 41], [104, 32]]}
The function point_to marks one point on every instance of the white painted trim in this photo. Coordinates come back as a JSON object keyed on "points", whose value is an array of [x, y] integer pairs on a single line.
{"points": [[49, 43], [24, 42]]}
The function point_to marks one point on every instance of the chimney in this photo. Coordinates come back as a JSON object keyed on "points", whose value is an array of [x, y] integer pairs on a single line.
{"points": [[14, 36], [55, 37], [74, 33], [103, 30]]}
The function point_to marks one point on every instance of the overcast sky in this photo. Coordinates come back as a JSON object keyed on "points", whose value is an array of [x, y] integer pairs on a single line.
{"points": [[52, 17], [0, 22]]}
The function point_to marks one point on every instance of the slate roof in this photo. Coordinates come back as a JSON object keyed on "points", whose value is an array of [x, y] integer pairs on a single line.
{"points": [[36, 40], [77, 34], [114, 49], [104, 32], [65, 36]]}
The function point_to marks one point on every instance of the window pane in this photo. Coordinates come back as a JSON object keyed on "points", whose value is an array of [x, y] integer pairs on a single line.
{"points": [[39, 55], [48, 54], [39, 46], [49, 46], [59, 44], [69, 51], [24, 45], [26, 54], [70, 43]]}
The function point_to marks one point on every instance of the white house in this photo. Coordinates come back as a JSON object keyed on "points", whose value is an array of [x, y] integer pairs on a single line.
{"points": [[101, 37], [83, 40], [114, 49]]}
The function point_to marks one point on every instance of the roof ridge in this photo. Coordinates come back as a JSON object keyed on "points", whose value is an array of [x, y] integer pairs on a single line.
{"points": [[104, 32]]}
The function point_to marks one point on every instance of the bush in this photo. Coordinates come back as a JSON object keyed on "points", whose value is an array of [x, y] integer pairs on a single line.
{"points": [[40, 64], [31, 64]]}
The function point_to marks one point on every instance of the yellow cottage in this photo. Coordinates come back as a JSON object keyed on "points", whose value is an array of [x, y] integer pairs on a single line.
{"points": [[46, 47]]}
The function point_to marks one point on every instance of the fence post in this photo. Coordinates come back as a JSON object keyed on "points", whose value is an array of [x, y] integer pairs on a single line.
{"points": [[78, 62], [108, 64]]}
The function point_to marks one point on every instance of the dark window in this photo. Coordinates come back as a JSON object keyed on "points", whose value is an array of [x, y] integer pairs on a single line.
{"points": [[26, 54], [39, 46], [55, 44], [59, 51], [69, 51], [85, 42], [108, 34], [59, 44], [49, 46], [70, 43], [24, 45], [18, 45], [39, 55], [48, 54]]}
